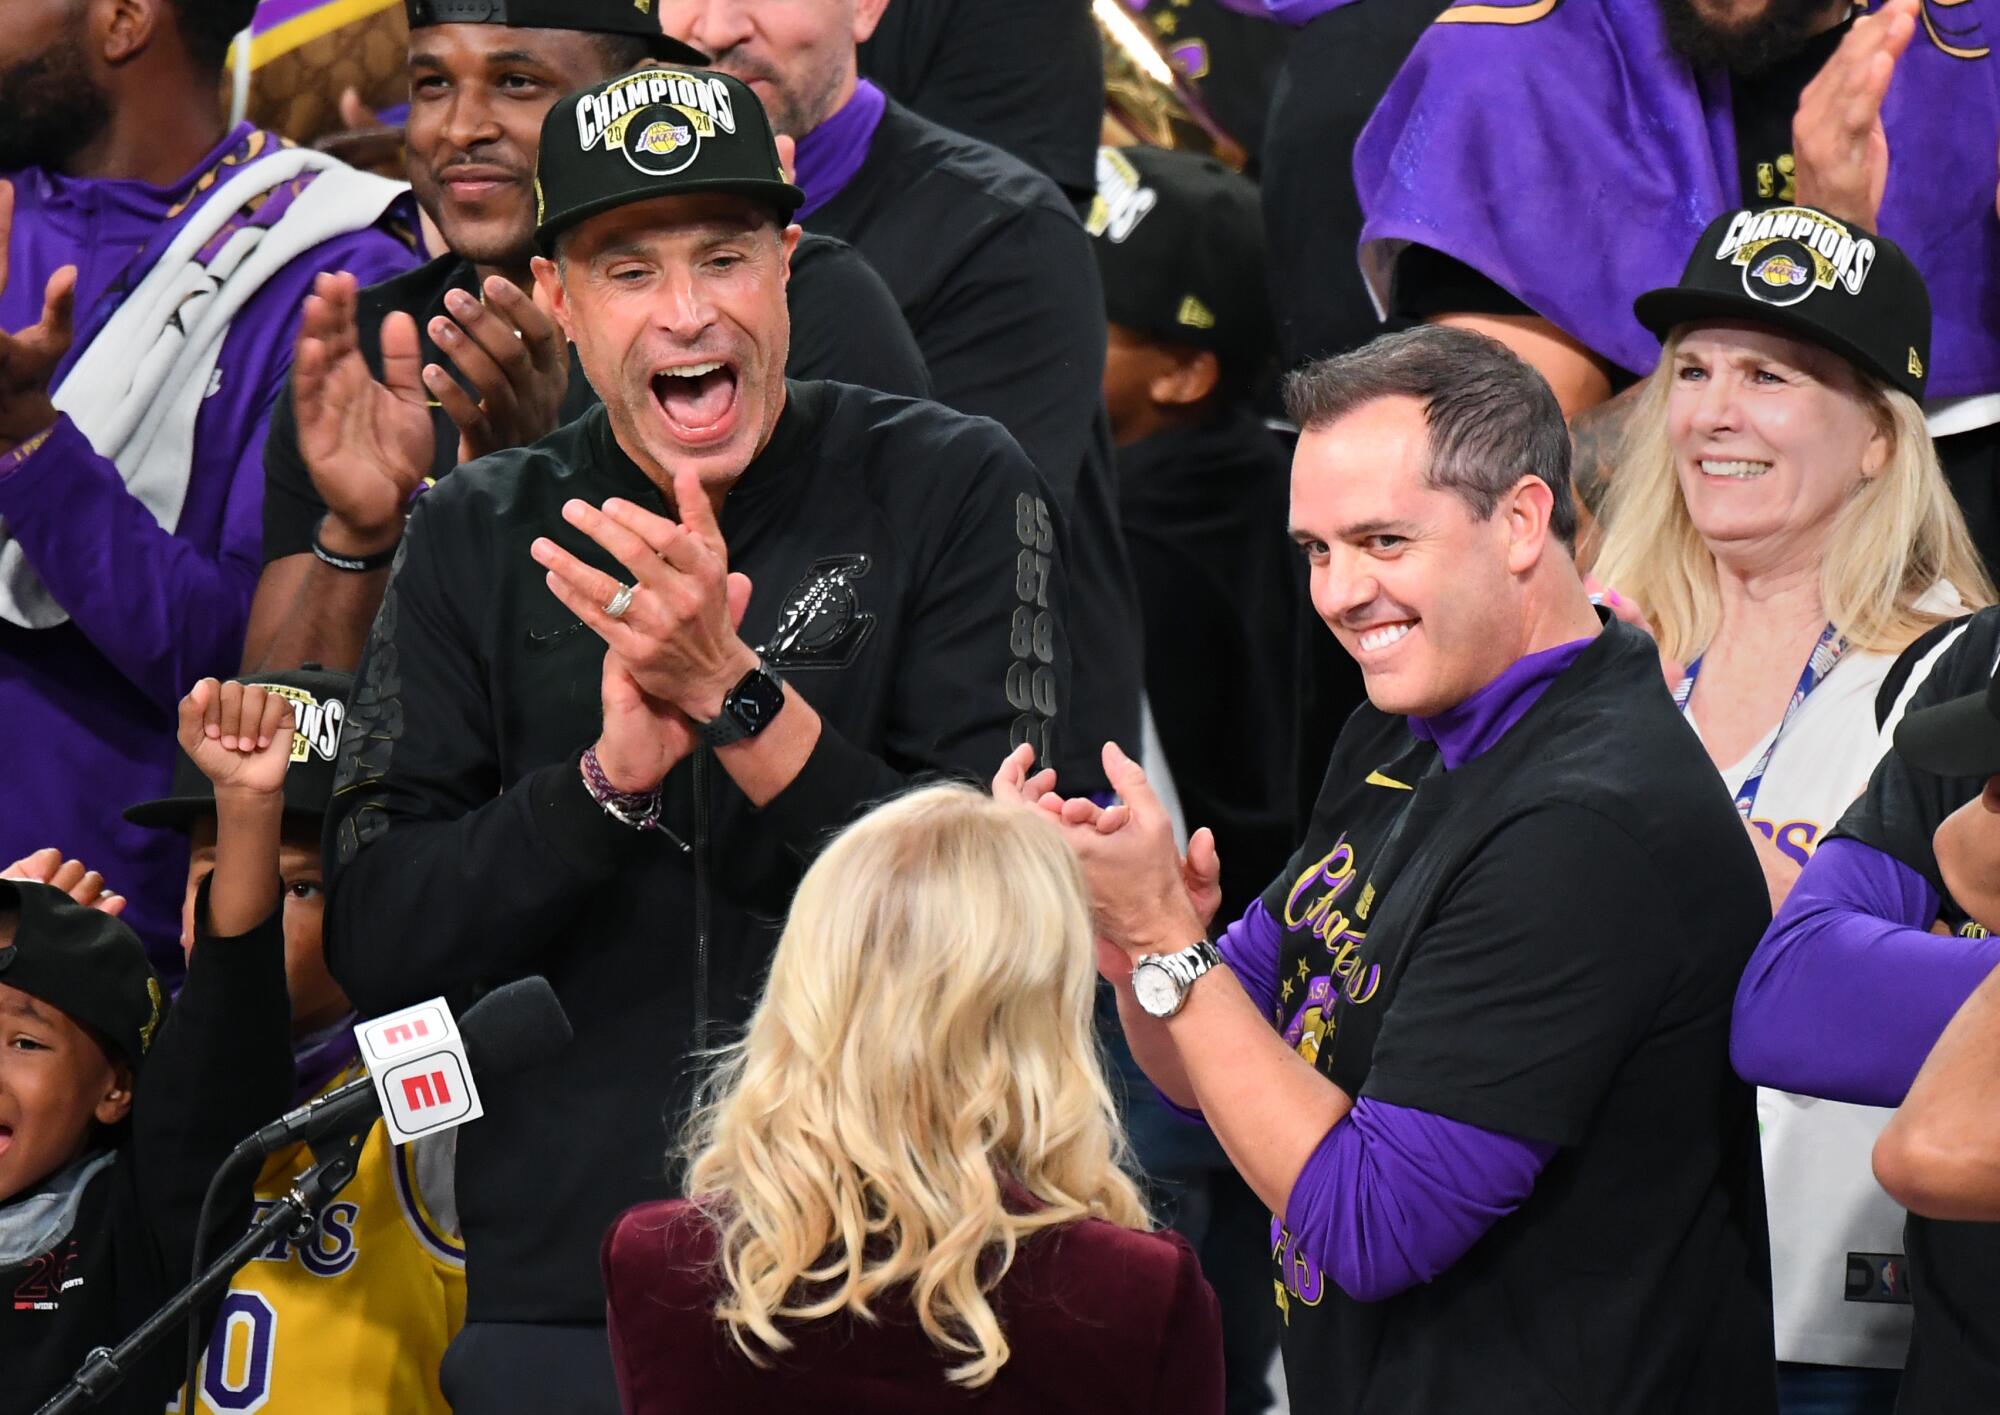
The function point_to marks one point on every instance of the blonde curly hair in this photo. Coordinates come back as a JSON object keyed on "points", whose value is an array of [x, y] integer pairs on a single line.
{"points": [[924, 1044]]}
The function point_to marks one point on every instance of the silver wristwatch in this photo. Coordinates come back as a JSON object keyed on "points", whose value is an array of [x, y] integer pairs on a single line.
{"points": [[1161, 980]]}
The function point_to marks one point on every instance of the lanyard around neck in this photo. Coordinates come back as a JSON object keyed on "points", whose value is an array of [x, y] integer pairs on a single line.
{"points": [[1826, 653]]}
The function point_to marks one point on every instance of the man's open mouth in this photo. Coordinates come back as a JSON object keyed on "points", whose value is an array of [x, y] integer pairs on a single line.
{"points": [[697, 399]]}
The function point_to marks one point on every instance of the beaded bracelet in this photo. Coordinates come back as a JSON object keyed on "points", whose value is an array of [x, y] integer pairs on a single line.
{"points": [[638, 809]]}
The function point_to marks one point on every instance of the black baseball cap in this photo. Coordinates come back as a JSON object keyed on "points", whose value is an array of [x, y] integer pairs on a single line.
{"points": [[655, 132], [630, 17], [1808, 274], [1180, 245], [84, 963], [1956, 738], [319, 708]]}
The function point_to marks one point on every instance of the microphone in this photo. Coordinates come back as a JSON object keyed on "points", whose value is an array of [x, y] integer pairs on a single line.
{"points": [[515, 1026]]}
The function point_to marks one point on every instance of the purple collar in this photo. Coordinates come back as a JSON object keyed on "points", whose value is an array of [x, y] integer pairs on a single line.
{"points": [[832, 153], [1475, 725], [321, 1056]]}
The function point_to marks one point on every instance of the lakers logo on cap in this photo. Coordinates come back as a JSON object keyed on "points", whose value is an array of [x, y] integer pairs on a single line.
{"points": [[662, 139], [656, 117], [1788, 253]]}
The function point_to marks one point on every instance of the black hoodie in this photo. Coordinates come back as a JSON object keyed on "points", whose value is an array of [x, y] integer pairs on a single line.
{"points": [[906, 581], [220, 1067]]}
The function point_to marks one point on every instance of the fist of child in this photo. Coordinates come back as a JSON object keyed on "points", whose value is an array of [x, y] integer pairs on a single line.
{"points": [[239, 734]]}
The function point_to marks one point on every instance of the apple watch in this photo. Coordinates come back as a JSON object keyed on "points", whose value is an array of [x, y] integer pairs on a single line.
{"points": [[747, 710]]}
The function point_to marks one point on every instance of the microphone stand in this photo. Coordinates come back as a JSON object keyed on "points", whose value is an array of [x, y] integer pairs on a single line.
{"points": [[294, 1216]]}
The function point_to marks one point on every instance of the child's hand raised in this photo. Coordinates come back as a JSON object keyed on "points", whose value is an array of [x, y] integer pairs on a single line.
{"points": [[239, 735]]}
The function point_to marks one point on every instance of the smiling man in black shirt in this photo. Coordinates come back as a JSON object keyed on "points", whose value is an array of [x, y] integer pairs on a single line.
{"points": [[472, 366], [625, 681], [1471, 1046], [995, 275]]}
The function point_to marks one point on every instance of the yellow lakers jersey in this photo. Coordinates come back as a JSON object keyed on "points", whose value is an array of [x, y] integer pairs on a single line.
{"points": [[354, 1319]]}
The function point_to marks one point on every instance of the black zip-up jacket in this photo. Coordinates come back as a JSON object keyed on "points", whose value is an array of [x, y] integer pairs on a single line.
{"points": [[220, 1067], [905, 579]]}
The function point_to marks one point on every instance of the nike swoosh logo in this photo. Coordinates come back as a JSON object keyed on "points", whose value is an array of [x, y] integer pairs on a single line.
{"points": [[542, 639], [1375, 778]]}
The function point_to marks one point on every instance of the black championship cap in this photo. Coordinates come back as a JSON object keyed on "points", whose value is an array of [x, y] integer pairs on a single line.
{"points": [[84, 963], [319, 708], [1801, 271], [632, 17], [655, 132], [1180, 244], [1956, 738]]}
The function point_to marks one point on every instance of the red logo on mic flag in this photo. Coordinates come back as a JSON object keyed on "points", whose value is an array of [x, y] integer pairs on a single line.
{"points": [[413, 1029], [427, 1094], [417, 1062]]}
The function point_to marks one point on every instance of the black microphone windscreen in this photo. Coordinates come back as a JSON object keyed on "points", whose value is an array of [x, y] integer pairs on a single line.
{"points": [[517, 1025]]}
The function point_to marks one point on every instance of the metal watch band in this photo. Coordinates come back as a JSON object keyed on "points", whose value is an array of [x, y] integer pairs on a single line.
{"points": [[1191, 962]]}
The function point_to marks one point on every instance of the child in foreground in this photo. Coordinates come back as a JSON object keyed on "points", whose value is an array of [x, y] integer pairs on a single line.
{"points": [[115, 1111], [353, 1320]]}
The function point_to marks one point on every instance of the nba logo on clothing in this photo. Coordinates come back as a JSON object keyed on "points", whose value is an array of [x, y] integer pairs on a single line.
{"points": [[417, 1061]]}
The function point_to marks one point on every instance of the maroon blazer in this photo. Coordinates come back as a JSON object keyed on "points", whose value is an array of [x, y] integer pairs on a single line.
{"points": [[1100, 1319]]}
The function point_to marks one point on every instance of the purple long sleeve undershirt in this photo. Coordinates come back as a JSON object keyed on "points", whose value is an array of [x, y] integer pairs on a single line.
{"points": [[1394, 1196], [1849, 990], [1284, 12]]}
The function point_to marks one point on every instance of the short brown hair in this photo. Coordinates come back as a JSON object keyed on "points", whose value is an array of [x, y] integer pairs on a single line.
{"points": [[1492, 418]]}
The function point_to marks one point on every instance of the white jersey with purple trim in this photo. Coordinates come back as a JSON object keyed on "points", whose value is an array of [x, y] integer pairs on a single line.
{"points": [[1840, 1292], [355, 1319]]}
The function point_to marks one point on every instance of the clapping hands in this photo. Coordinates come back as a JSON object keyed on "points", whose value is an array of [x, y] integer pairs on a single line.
{"points": [[1146, 897]]}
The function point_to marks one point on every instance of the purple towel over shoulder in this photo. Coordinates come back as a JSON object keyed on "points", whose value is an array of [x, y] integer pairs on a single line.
{"points": [[1564, 150]]}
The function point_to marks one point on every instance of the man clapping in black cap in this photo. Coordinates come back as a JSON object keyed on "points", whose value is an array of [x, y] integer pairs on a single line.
{"points": [[624, 682], [986, 258], [398, 383]]}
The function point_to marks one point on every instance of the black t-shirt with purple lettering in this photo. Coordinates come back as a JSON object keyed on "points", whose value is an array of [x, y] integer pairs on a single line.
{"points": [[1544, 941]]}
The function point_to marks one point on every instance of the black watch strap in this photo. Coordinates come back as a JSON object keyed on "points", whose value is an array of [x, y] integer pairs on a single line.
{"points": [[746, 710]]}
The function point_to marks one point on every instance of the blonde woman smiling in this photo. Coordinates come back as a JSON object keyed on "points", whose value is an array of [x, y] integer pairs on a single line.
{"points": [[1781, 522], [908, 1181]]}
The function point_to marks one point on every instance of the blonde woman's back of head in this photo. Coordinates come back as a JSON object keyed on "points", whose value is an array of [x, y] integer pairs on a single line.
{"points": [[924, 1042]]}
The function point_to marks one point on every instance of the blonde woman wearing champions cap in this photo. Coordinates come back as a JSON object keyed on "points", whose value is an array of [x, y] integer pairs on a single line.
{"points": [[1779, 520], [909, 1193]]}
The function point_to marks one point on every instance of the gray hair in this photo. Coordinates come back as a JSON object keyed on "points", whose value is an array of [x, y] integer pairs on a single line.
{"points": [[1492, 419]]}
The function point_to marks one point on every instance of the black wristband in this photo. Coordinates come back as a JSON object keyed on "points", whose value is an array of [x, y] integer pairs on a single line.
{"points": [[354, 565]]}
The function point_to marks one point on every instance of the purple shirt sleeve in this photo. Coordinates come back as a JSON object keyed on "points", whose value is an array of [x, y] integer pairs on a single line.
{"points": [[1848, 991], [162, 611], [1250, 948], [1394, 1196]]}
